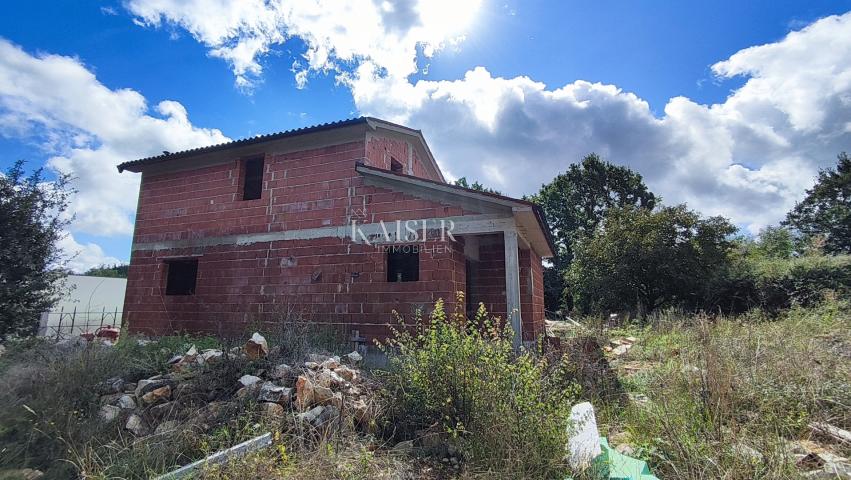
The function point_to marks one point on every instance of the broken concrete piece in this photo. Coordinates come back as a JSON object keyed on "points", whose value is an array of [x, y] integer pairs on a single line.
{"points": [[270, 392], [126, 402], [330, 364], [248, 380], [311, 415], [145, 386], [210, 356], [354, 358], [108, 413], [256, 347], [136, 425], [584, 441], [329, 414], [829, 430]]}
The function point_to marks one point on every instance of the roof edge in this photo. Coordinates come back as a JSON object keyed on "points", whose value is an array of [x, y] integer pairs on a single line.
{"points": [[134, 165], [486, 196]]}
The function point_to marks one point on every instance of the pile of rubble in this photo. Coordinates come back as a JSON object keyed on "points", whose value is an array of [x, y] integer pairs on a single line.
{"points": [[317, 392]]}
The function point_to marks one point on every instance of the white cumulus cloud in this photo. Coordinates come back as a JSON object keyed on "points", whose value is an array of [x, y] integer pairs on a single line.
{"points": [[749, 157], [81, 257], [86, 130], [386, 33]]}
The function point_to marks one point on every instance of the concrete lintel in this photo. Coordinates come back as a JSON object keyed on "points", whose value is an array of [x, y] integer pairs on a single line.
{"points": [[374, 232], [512, 285]]}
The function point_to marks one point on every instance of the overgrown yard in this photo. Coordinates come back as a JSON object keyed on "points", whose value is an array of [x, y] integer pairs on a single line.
{"points": [[697, 397], [733, 398]]}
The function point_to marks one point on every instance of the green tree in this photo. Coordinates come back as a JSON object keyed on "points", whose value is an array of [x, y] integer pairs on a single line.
{"points": [[775, 242], [826, 209], [640, 260], [31, 223], [109, 271], [575, 203], [462, 182]]}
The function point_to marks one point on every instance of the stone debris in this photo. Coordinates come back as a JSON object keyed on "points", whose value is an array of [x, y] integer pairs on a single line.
{"points": [[157, 395], [354, 358], [311, 415], [256, 347], [303, 392], [281, 372], [110, 385], [319, 393], [108, 413], [619, 346], [126, 402], [136, 424], [210, 356], [817, 462], [248, 380], [272, 393]]}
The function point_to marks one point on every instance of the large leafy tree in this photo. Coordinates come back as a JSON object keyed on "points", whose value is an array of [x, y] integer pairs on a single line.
{"points": [[462, 182], [31, 223], [826, 210], [639, 260], [575, 203]]}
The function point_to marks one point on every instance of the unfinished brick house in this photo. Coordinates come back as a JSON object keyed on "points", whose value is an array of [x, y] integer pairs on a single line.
{"points": [[327, 221]]}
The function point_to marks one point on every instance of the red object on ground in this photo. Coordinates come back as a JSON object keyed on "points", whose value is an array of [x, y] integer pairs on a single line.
{"points": [[110, 333]]}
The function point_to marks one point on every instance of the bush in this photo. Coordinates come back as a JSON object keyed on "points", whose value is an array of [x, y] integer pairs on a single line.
{"points": [[775, 284], [506, 416]]}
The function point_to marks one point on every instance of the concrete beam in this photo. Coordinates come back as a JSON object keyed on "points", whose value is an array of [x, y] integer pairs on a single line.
{"points": [[512, 286], [374, 232]]}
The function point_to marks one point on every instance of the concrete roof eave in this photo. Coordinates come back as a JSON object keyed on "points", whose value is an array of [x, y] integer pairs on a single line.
{"points": [[529, 218]]}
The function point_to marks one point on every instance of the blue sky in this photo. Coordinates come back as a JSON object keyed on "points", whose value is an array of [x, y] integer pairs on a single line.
{"points": [[501, 97]]}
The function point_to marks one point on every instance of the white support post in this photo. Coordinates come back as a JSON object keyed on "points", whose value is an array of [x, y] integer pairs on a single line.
{"points": [[512, 286]]}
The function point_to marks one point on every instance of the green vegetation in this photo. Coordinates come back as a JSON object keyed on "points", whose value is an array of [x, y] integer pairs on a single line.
{"points": [[108, 271], [643, 260], [32, 220], [729, 397], [575, 203], [461, 378], [826, 210], [462, 182]]}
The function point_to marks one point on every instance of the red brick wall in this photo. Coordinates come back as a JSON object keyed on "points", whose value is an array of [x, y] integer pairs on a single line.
{"points": [[379, 150], [331, 279], [326, 280], [488, 284]]}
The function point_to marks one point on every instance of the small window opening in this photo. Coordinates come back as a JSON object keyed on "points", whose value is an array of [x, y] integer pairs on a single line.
{"points": [[396, 166], [253, 179], [182, 276], [403, 264]]}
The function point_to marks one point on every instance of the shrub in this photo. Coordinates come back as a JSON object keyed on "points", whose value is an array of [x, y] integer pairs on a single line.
{"points": [[775, 284], [507, 417]]}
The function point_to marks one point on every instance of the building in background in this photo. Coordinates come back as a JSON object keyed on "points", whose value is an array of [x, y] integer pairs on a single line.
{"points": [[87, 304]]}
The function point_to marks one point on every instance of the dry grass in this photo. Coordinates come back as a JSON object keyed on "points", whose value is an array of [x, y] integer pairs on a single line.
{"points": [[720, 389]]}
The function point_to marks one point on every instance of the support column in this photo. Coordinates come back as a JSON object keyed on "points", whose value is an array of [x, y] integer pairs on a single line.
{"points": [[512, 286]]}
